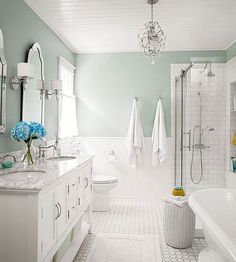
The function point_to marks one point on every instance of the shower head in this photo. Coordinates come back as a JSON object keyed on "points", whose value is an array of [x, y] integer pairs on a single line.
{"points": [[210, 73], [206, 129], [209, 128]]}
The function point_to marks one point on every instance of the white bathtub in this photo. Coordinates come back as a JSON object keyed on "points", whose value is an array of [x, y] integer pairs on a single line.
{"points": [[216, 209]]}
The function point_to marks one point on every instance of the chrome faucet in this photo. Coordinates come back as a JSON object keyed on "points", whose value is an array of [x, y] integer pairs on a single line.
{"points": [[42, 150], [7, 156]]}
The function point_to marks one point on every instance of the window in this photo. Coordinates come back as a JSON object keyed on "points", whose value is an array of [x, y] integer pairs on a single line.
{"points": [[67, 101]]}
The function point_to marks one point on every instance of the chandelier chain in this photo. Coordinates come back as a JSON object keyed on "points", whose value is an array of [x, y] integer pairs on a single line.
{"points": [[152, 12]]}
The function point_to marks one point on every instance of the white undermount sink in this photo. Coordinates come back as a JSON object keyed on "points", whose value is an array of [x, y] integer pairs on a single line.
{"points": [[61, 158]]}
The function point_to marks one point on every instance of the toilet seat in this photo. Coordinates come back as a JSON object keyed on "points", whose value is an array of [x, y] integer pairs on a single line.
{"points": [[100, 179]]}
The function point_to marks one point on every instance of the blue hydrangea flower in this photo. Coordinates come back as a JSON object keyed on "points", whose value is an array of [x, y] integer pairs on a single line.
{"points": [[27, 131], [21, 131], [37, 130]]}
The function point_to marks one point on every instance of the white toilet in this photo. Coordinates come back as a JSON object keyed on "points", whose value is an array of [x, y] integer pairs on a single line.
{"points": [[102, 185]]}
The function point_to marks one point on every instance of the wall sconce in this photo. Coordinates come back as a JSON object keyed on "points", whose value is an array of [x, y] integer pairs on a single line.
{"points": [[4, 83], [3, 69], [42, 87], [25, 72], [56, 88]]}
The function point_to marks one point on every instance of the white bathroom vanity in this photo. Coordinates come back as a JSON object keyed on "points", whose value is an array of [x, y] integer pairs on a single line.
{"points": [[41, 205]]}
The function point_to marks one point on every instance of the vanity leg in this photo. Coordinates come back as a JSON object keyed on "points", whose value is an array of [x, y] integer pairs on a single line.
{"points": [[90, 213]]}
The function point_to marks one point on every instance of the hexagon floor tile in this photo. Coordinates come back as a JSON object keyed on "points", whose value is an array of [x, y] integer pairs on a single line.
{"points": [[132, 216]]}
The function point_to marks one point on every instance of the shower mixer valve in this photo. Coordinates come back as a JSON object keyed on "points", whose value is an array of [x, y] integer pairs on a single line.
{"points": [[189, 140]]}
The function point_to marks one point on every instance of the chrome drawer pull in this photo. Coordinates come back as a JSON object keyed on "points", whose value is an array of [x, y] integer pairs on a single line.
{"points": [[58, 212], [60, 209]]}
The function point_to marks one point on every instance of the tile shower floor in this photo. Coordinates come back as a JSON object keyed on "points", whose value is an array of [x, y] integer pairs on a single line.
{"points": [[137, 217]]}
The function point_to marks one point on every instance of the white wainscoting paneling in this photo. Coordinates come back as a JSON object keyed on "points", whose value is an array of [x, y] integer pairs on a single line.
{"points": [[143, 182]]}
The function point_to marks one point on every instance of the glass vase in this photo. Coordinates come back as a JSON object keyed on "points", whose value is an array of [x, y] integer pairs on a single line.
{"points": [[28, 154]]}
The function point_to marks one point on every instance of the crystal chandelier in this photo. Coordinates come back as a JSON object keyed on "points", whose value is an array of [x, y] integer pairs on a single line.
{"points": [[152, 38]]}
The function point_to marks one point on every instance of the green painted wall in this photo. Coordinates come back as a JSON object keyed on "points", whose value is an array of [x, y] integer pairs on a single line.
{"points": [[106, 84], [231, 51], [21, 28]]}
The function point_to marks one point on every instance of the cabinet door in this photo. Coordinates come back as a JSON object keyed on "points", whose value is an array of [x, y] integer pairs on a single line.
{"points": [[72, 198], [61, 192], [47, 225], [87, 180]]}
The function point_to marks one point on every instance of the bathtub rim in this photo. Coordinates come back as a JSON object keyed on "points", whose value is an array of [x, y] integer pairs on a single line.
{"points": [[221, 239]]}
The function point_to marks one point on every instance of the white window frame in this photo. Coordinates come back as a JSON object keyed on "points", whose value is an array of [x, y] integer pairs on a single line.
{"points": [[63, 62]]}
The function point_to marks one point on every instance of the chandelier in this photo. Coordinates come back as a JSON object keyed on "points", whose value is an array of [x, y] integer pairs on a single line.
{"points": [[152, 38]]}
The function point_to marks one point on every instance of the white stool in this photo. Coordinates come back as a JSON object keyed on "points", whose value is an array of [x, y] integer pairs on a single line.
{"points": [[179, 225]]}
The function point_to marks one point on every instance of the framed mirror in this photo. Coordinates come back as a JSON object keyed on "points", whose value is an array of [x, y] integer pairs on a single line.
{"points": [[3, 77], [33, 99]]}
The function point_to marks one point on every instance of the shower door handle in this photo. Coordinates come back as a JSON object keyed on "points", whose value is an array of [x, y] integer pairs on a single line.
{"points": [[189, 140]]}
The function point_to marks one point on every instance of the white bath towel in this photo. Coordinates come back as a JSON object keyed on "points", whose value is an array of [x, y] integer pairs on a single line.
{"points": [[178, 202], [159, 139], [135, 140]]}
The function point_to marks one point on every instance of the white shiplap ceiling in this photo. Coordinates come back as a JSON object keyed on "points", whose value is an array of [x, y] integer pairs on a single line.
{"points": [[113, 25]]}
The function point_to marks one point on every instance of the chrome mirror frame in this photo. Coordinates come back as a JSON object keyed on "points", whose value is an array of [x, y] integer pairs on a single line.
{"points": [[3, 85]]}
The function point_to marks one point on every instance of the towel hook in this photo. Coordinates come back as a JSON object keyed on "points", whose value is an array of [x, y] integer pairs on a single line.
{"points": [[159, 97], [135, 95]]}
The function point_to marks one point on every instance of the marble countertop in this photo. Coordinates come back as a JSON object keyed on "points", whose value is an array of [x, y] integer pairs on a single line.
{"points": [[43, 173]]}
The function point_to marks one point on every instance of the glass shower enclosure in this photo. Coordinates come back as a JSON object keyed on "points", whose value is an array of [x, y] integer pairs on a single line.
{"points": [[199, 106]]}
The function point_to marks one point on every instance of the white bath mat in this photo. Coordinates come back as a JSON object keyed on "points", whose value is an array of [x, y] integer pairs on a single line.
{"points": [[124, 248]]}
